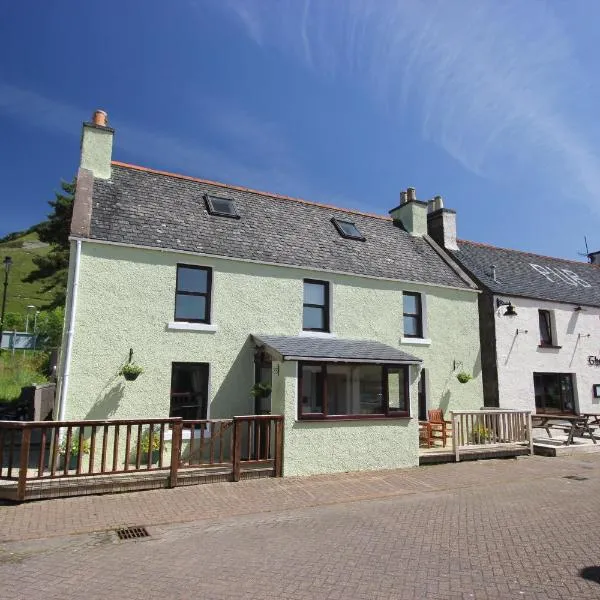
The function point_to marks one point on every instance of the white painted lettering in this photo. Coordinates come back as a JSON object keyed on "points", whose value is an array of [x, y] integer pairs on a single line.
{"points": [[581, 282], [542, 270], [565, 275]]}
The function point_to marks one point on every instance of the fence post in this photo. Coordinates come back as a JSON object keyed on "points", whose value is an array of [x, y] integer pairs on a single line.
{"points": [[175, 451], [24, 463], [454, 437], [237, 448], [530, 432], [278, 462]]}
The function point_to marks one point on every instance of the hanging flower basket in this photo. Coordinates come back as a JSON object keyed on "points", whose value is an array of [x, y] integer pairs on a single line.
{"points": [[261, 390], [464, 377], [131, 371]]}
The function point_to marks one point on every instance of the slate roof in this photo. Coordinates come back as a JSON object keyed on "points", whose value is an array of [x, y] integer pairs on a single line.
{"points": [[334, 349], [574, 282], [149, 208]]}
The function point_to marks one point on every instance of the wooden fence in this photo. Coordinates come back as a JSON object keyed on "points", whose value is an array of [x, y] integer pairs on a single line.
{"points": [[479, 429], [46, 450]]}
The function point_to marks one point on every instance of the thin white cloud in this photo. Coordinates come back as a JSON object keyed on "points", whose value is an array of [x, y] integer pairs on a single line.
{"points": [[497, 85], [252, 154]]}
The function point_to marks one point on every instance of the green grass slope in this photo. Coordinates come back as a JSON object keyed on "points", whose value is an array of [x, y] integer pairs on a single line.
{"points": [[22, 250]]}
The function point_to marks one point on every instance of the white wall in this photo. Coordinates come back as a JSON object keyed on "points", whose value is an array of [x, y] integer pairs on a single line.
{"points": [[519, 355]]}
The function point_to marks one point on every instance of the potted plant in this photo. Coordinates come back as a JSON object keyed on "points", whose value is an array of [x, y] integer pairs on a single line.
{"points": [[131, 371], [152, 445], [464, 377], [74, 451], [480, 434]]}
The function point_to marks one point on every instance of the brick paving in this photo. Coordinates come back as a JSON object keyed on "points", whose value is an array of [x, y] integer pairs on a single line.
{"points": [[491, 529]]}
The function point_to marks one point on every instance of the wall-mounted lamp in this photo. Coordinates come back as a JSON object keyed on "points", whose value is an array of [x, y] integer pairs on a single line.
{"points": [[456, 364], [580, 335], [579, 309], [522, 331], [510, 309]]}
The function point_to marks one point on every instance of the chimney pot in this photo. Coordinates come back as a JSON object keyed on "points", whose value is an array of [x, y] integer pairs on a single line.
{"points": [[100, 118], [411, 194], [402, 197]]}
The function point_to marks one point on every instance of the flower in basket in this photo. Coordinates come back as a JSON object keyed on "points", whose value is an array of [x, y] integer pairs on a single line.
{"points": [[464, 377], [75, 450], [131, 371]]}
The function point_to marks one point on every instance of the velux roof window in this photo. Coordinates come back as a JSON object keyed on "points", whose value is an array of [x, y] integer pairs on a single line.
{"points": [[348, 229], [222, 207]]}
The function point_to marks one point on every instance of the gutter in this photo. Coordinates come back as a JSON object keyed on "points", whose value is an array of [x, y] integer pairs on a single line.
{"points": [[66, 370]]}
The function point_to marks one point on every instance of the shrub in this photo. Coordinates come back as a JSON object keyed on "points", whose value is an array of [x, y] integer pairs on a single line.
{"points": [[85, 446], [19, 370]]}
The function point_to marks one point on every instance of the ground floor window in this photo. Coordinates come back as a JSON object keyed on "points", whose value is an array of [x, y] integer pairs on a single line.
{"points": [[554, 393], [189, 390], [334, 390]]}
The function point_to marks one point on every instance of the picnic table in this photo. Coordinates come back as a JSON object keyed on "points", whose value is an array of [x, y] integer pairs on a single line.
{"points": [[571, 424], [593, 418]]}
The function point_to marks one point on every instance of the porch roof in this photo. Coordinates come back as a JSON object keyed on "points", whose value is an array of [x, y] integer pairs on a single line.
{"points": [[334, 350]]}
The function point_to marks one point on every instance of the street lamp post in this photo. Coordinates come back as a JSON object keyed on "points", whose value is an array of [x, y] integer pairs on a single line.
{"points": [[37, 312], [7, 265]]}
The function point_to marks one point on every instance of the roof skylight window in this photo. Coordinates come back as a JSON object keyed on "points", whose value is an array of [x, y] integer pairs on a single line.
{"points": [[348, 229], [222, 207]]}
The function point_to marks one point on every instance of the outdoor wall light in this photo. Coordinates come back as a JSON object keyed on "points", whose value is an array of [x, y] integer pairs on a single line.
{"points": [[510, 309], [579, 309], [522, 331]]}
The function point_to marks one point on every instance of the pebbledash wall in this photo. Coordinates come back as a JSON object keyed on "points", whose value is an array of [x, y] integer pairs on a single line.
{"points": [[126, 300], [519, 355]]}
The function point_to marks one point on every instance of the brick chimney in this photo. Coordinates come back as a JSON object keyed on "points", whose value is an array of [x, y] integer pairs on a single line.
{"points": [[411, 213], [96, 145], [441, 223]]}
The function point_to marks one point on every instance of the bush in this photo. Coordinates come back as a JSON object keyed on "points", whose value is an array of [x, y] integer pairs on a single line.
{"points": [[20, 370]]}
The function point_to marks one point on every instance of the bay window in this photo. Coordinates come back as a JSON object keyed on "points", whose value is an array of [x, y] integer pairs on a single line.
{"points": [[351, 391]]}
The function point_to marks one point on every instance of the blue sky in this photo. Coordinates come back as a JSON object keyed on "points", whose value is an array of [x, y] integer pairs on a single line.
{"points": [[493, 105]]}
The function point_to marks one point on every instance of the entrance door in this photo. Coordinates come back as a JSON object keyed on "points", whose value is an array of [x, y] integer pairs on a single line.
{"points": [[263, 374], [554, 393]]}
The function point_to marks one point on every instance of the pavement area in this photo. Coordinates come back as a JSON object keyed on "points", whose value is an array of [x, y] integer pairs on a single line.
{"points": [[516, 528]]}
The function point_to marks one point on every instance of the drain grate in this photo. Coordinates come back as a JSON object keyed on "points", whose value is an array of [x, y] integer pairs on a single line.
{"points": [[576, 477], [132, 533]]}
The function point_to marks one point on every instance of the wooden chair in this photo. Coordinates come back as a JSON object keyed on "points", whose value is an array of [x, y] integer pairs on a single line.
{"points": [[425, 438], [439, 429]]}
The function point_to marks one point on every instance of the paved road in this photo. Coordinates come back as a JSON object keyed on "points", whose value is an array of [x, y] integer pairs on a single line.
{"points": [[523, 528]]}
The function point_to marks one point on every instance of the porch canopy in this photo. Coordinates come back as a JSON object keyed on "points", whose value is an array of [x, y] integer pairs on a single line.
{"points": [[305, 348]]}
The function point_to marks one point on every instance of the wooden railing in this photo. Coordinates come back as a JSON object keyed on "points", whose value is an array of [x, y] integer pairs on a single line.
{"points": [[37, 450], [479, 428]]}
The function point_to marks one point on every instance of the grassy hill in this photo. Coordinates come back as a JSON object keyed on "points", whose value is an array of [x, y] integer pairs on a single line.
{"points": [[22, 250]]}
